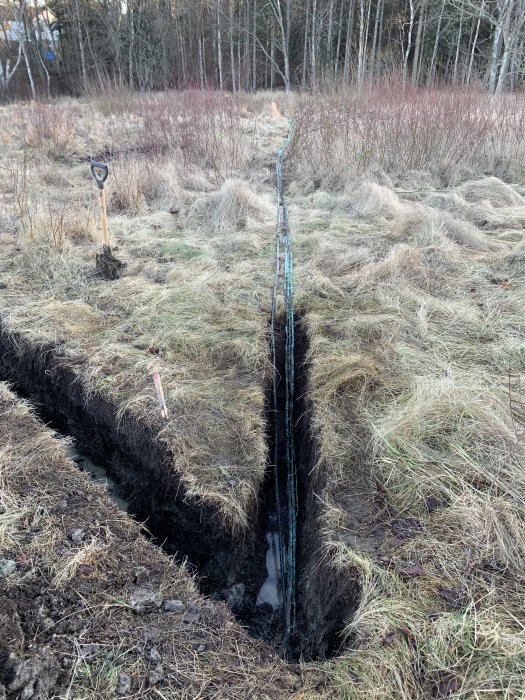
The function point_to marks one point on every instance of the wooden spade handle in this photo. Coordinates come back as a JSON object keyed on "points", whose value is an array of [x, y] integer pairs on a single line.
{"points": [[103, 215]]}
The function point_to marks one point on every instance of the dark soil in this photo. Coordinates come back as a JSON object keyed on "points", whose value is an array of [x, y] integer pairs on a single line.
{"points": [[107, 265], [229, 568]]}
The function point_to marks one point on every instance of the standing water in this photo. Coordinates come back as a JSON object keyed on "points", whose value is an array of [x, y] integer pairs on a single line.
{"points": [[271, 589], [98, 474]]}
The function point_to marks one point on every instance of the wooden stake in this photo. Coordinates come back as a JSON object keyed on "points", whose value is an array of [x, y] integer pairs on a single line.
{"points": [[160, 395]]}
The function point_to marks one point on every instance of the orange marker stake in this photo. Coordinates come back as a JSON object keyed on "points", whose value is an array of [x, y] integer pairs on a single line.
{"points": [[160, 395]]}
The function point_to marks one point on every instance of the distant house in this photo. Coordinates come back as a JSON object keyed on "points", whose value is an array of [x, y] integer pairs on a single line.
{"points": [[11, 30]]}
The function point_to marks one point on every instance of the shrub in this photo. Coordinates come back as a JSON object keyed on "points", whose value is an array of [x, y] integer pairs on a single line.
{"points": [[201, 127], [397, 130], [50, 130]]}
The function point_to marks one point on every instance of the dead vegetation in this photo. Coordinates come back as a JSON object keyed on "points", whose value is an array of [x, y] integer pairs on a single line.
{"points": [[416, 367], [410, 284]]}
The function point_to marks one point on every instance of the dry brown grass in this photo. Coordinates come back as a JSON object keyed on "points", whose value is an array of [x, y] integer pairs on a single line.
{"points": [[413, 301], [416, 361], [417, 137]]}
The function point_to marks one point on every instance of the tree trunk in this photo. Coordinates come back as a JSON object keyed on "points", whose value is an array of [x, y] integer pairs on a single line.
{"points": [[417, 47], [232, 52], [512, 31], [131, 47], [339, 37], [348, 46], [272, 58], [361, 52], [377, 21], [406, 52], [436, 44], [305, 45], [494, 58], [474, 43], [313, 51], [330, 37], [7, 73], [39, 44], [254, 47], [458, 42], [201, 64], [219, 45], [23, 42]]}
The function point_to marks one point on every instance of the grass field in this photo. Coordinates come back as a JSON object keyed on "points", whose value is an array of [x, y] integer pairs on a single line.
{"points": [[407, 214]]}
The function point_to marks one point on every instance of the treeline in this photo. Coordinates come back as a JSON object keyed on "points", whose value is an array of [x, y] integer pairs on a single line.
{"points": [[73, 45]]}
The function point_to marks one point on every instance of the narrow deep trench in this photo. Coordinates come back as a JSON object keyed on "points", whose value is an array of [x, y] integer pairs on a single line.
{"points": [[242, 571]]}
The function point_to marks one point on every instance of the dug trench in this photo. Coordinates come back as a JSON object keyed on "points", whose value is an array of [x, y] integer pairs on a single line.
{"points": [[236, 569]]}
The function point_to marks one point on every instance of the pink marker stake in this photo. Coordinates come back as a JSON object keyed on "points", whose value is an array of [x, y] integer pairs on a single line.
{"points": [[160, 395]]}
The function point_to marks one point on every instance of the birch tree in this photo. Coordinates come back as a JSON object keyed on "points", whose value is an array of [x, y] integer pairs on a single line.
{"points": [[245, 44], [7, 70]]}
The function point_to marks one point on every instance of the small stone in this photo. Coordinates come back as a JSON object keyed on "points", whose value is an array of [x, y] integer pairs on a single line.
{"points": [[124, 684], [176, 606], [201, 647], [191, 615], [30, 678], [145, 600], [47, 623], [432, 503], [154, 656], [156, 675], [411, 570], [89, 650], [452, 596], [140, 574], [7, 566], [151, 634], [77, 535]]}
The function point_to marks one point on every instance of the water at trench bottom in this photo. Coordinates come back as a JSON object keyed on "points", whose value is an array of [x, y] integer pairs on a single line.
{"points": [[98, 474], [271, 589]]}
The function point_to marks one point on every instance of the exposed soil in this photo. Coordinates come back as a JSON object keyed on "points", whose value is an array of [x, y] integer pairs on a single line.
{"points": [[327, 600], [126, 619], [107, 265], [232, 568]]}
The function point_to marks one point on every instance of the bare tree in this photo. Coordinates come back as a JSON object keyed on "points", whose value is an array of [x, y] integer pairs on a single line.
{"points": [[244, 44], [7, 70]]}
